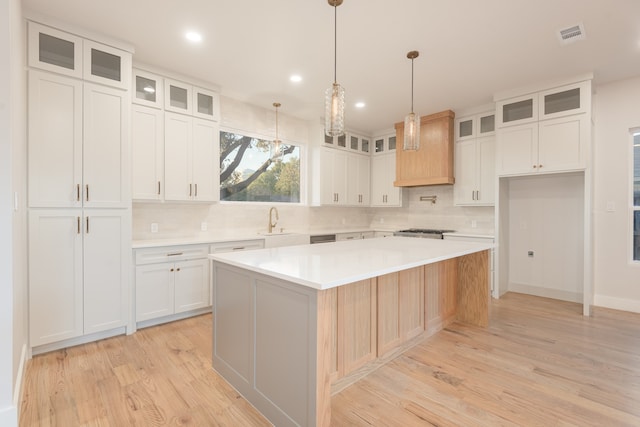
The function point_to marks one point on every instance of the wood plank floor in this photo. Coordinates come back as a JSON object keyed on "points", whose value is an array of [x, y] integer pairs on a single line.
{"points": [[539, 363]]}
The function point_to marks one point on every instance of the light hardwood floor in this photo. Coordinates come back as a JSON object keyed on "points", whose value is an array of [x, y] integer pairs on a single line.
{"points": [[539, 363]]}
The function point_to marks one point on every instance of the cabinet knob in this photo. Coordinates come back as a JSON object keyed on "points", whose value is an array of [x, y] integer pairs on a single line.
{"points": [[178, 269], [171, 269], [535, 166], [540, 166]]}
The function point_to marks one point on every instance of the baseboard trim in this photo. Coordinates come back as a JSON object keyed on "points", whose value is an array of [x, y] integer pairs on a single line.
{"points": [[622, 304], [546, 292], [18, 390]]}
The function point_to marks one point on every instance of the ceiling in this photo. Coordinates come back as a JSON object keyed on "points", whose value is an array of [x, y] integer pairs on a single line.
{"points": [[469, 49]]}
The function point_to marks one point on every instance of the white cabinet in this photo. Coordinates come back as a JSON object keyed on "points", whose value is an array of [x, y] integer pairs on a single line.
{"points": [[475, 161], [357, 235], [171, 280], [383, 174], [191, 152], [553, 135], [358, 180], [181, 97], [147, 153], [64, 53], [78, 273], [78, 143], [333, 178], [147, 89], [358, 143], [384, 144], [336, 141]]}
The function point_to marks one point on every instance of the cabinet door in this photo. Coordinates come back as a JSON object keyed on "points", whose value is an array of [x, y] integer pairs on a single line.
{"points": [[53, 50], [383, 172], [565, 100], [393, 194], [464, 190], [486, 166], [364, 180], [357, 325], [106, 167], [107, 250], [191, 289], [358, 175], [177, 169], [205, 175], [148, 89], [517, 111], [517, 149], [178, 97], [206, 104], [106, 65], [562, 143], [154, 290], [333, 177], [55, 275], [389, 335], [147, 152], [55, 140], [411, 300]]}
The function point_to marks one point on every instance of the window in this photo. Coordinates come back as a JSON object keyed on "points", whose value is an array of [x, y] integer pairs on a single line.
{"points": [[248, 173], [636, 196]]}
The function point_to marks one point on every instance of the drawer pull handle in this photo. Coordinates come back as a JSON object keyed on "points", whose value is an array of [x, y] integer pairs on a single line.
{"points": [[175, 254], [238, 248]]}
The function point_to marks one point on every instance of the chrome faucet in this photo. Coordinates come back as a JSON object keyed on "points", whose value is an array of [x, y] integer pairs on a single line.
{"points": [[271, 223]]}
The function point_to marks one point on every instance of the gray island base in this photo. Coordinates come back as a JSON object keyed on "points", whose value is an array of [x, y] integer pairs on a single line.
{"points": [[290, 322]]}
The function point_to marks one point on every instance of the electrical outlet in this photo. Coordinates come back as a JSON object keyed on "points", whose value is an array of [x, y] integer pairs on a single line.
{"points": [[154, 227], [204, 226]]}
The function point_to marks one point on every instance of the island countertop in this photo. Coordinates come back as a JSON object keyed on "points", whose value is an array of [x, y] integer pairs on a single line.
{"points": [[327, 265]]}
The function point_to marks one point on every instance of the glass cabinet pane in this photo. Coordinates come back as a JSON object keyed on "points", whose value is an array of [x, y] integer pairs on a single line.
{"points": [[328, 139], [487, 124], [55, 51], [379, 145], [178, 97], [105, 65], [465, 128], [205, 104], [365, 145], [392, 143], [562, 101], [146, 89], [342, 141], [517, 111], [354, 143]]}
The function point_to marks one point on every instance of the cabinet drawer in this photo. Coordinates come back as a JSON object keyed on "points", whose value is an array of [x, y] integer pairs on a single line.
{"points": [[170, 253], [237, 245]]}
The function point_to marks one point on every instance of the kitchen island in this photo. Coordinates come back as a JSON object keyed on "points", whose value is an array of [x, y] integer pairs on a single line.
{"points": [[289, 321]]}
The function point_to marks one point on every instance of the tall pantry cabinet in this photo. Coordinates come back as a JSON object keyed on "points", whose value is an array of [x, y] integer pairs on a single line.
{"points": [[78, 188]]}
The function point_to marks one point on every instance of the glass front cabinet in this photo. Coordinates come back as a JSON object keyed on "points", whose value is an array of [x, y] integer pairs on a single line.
{"points": [[64, 53]]}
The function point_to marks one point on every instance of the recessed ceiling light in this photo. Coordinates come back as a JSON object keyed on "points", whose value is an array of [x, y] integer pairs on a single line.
{"points": [[360, 104], [194, 37], [295, 78]]}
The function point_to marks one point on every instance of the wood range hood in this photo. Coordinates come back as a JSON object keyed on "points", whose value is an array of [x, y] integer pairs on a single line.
{"points": [[432, 163]]}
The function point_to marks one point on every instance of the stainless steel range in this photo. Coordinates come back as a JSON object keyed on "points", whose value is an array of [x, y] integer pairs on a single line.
{"points": [[424, 233]]}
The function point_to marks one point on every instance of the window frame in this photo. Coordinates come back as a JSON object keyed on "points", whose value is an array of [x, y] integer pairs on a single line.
{"points": [[303, 169]]}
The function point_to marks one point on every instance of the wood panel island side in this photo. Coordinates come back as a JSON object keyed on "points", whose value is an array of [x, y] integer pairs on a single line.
{"points": [[290, 323]]}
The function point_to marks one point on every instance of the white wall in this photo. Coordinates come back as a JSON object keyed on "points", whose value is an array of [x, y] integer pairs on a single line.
{"points": [[13, 335], [616, 278]]}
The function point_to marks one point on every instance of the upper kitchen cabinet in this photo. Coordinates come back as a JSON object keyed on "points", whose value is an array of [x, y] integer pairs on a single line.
{"points": [[475, 160], [64, 53], [383, 172], [557, 141], [336, 141], [147, 153], [148, 89], [191, 153], [184, 98], [54, 50], [432, 163], [384, 144], [78, 143], [358, 143]]}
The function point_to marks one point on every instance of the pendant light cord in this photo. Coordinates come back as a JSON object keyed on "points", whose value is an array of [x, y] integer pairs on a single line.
{"points": [[411, 85], [335, 43]]}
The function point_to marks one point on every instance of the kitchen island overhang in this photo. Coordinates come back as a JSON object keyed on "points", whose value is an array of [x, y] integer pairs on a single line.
{"points": [[274, 329]]}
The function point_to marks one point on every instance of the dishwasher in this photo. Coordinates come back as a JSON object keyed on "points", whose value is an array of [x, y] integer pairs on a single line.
{"points": [[322, 238]]}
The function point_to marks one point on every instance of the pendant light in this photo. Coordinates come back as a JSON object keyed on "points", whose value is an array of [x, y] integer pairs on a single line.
{"points": [[334, 96], [412, 120], [276, 145]]}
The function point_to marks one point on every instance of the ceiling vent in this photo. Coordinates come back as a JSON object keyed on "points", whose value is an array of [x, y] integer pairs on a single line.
{"points": [[572, 34]]}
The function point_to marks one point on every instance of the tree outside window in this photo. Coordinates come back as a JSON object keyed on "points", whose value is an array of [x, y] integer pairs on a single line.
{"points": [[249, 173]]}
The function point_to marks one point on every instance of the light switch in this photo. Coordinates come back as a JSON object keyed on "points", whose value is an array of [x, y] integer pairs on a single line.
{"points": [[611, 206]]}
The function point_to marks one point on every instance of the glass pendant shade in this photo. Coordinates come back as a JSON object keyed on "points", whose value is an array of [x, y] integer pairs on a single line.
{"points": [[334, 111], [276, 150], [411, 132]]}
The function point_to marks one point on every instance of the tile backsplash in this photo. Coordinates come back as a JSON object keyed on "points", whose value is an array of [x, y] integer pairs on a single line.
{"points": [[175, 220]]}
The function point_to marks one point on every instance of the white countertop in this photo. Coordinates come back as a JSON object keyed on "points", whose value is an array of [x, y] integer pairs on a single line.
{"points": [[328, 265]]}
